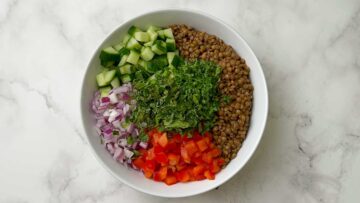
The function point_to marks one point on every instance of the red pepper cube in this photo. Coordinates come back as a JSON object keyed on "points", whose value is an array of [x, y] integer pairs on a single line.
{"points": [[191, 148], [161, 174], [202, 145], [170, 180], [173, 159], [209, 175]]}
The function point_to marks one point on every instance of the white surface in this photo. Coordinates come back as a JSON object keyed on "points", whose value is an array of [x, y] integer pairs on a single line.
{"points": [[259, 114], [309, 51]]}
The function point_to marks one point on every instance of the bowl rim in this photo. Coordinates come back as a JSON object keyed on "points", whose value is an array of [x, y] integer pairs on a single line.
{"points": [[261, 75]]}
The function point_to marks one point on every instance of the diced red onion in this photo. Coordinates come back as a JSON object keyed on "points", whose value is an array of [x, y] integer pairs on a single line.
{"points": [[144, 145]]}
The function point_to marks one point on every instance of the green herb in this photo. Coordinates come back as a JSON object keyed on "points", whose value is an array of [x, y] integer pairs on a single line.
{"points": [[179, 99], [143, 137], [115, 133], [130, 140], [136, 153]]}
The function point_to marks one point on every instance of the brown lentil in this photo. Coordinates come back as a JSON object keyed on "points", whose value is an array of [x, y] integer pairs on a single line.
{"points": [[233, 118]]}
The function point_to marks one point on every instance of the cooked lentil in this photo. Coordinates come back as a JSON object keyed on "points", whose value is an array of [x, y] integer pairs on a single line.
{"points": [[233, 118]]}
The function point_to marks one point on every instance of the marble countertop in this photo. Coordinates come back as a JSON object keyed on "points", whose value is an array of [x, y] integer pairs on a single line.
{"points": [[310, 52]]}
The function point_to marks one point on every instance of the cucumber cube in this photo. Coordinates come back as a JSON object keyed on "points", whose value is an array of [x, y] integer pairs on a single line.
{"points": [[125, 78], [133, 57], [170, 57], [123, 60], [143, 63], [125, 69], [109, 56], [142, 36], [104, 91], [133, 29], [115, 82], [153, 28], [170, 44], [176, 61], [147, 54], [161, 34], [126, 39], [159, 47], [153, 35], [133, 44], [149, 44], [168, 33], [118, 47]]}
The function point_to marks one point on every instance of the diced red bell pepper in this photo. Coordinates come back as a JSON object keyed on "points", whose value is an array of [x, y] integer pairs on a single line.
{"points": [[182, 176], [149, 165], [198, 160], [184, 155], [173, 159], [207, 158], [180, 166], [191, 148], [150, 154], [197, 170], [220, 161], [163, 141], [148, 173], [161, 158], [170, 180], [139, 163], [214, 167], [215, 152], [209, 175], [202, 145], [161, 174]]}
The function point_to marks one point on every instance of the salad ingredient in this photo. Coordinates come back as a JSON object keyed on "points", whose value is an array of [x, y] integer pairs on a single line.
{"points": [[178, 99], [235, 86], [112, 110], [174, 158]]}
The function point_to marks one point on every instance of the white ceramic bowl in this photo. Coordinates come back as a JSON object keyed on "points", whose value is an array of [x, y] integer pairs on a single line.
{"points": [[211, 25]]}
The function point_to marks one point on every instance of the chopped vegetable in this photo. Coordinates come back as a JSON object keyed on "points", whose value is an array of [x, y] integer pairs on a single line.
{"points": [[163, 162], [178, 99]]}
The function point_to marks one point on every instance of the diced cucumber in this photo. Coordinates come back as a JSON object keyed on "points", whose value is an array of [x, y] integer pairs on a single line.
{"points": [[142, 36], [170, 44], [109, 56], [143, 63], [115, 82], [123, 60], [149, 44], [147, 54], [104, 91], [160, 61], [133, 57], [159, 47], [161, 34], [125, 69], [176, 61], [133, 44], [124, 51], [177, 52], [125, 78], [153, 28], [133, 29], [118, 46], [168, 33], [170, 57], [153, 35], [104, 78], [126, 39]]}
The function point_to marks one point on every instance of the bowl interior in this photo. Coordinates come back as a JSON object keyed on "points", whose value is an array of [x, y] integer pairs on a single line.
{"points": [[258, 119]]}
